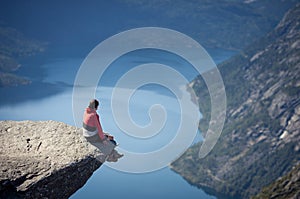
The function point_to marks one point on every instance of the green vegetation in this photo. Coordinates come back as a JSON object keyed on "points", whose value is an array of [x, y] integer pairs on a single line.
{"points": [[292, 90], [262, 92], [264, 170], [286, 187]]}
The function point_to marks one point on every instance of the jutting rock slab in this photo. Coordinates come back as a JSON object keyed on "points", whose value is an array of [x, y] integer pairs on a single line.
{"points": [[43, 159]]}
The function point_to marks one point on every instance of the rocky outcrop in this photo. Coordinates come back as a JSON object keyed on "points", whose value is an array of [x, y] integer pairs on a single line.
{"points": [[43, 159], [286, 187], [260, 141]]}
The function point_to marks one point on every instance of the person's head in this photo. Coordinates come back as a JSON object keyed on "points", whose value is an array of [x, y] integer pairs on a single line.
{"points": [[94, 104]]}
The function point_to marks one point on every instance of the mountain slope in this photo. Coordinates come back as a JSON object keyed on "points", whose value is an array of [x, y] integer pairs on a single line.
{"points": [[260, 139], [286, 187], [215, 24], [220, 23], [14, 47]]}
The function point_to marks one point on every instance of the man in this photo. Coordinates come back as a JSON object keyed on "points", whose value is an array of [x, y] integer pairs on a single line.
{"points": [[92, 131]]}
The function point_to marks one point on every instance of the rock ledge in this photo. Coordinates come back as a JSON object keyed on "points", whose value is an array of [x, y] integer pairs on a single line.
{"points": [[43, 159]]}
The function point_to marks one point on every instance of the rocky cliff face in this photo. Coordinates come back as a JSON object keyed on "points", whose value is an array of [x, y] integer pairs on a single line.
{"points": [[286, 187], [261, 137], [43, 159]]}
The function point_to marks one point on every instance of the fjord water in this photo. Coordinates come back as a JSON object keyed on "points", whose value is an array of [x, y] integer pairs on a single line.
{"points": [[57, 105]]}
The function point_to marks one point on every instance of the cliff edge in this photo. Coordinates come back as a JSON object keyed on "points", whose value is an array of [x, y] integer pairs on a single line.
{"points": [[43, 159]]}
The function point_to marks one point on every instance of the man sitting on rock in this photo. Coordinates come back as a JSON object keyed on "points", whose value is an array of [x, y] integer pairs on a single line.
{"points": [[92, 131]]}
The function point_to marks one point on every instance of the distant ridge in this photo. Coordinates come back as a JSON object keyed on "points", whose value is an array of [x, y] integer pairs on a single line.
{"points": [[14, 46]]}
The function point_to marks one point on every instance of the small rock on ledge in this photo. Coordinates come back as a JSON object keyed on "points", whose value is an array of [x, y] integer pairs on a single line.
{"points": [[43, 159]]}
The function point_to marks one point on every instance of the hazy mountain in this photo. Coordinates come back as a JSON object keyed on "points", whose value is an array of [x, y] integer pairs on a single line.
{"points": [[261, 138], [73, 29], [13, 48], [229, 24]]}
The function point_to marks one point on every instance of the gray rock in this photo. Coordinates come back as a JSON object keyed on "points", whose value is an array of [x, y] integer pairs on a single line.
{"points": [[278, 105], [43, 159]]}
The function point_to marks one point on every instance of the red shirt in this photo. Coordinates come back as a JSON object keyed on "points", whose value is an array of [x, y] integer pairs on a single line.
{"points": [[91, 119]]}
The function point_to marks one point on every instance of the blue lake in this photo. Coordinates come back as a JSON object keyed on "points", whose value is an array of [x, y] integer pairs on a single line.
{"points": [[51, 99]]}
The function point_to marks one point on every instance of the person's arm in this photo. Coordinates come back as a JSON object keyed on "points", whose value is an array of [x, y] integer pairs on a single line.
{"points": [[99, 127]]}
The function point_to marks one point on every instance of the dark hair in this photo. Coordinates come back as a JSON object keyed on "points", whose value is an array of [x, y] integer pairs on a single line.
{"points": [[94, 104]]}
